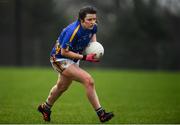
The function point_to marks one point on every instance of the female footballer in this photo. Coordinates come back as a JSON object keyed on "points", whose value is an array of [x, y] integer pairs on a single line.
{"points": [[65, 57]]}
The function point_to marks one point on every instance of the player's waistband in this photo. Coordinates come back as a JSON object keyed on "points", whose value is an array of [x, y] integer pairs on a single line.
{"points": [[53, 58]]}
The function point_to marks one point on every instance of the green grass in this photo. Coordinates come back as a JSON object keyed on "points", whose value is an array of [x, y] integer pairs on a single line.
{"points": [[133, 96]]}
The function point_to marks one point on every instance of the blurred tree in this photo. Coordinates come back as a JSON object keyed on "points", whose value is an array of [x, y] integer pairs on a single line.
{"points": [[40, 26], [7, 36], [142, 34], [18, 32]]}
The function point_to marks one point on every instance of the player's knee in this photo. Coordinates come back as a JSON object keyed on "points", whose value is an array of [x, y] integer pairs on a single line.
{"points": [[89, 82]]}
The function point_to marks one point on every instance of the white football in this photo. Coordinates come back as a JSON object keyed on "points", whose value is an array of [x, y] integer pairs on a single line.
{"points": [[95, 47]]}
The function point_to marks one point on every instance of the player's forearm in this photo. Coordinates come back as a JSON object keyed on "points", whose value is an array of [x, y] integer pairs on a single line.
{"points": [[71, 54], [94, 38]]}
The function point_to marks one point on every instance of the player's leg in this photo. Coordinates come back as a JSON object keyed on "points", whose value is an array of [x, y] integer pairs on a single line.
{"points": [[61, 86], [76, 73], [80, 75]]}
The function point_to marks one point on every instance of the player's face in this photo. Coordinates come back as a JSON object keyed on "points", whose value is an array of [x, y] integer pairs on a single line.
{"points": [[89, 21]]}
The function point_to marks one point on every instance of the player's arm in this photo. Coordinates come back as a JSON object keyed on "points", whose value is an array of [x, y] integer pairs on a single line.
{"points": [[70, 54], [93, 38]]}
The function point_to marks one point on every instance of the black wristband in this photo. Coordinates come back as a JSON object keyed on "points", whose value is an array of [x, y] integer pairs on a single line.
{"points": [[84, 57]]}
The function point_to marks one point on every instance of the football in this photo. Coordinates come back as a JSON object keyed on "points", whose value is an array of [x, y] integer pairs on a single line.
{"points": [[95, 47]]}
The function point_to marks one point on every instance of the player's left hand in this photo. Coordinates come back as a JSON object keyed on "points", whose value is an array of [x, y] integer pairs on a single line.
{"points": [[90, 58]]}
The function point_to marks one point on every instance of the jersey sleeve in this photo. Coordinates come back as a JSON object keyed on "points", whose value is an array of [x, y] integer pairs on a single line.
{"points": [[65, 40]]}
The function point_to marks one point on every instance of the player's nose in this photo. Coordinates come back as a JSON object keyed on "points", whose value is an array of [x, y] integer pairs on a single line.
{"points": [[93, 22]]}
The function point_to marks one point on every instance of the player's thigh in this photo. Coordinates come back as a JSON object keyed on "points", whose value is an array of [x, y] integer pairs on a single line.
{"points": [[74, 72], [64, 81]]}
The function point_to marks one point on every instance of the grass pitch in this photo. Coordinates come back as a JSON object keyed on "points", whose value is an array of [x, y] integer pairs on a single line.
{"points": [[133, 96]]}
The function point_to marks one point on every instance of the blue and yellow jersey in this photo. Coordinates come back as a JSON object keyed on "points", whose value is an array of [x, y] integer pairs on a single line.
{"points": [[74, 38]]}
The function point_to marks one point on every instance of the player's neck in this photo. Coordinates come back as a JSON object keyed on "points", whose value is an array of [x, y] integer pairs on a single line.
{"points": [[84, 28]]}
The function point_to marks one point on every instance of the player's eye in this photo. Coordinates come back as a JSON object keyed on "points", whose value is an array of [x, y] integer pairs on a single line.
{"points": [[91, 19]]}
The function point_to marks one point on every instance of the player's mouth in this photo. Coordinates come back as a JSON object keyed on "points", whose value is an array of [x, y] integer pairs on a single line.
{"points": [[91, 26]]}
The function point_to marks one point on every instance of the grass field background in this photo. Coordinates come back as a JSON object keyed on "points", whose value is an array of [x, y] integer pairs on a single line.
{"points": [[133, 96]]}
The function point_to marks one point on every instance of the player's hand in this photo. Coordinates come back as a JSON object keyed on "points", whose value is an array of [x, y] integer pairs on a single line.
{"points": [[90, 58]]}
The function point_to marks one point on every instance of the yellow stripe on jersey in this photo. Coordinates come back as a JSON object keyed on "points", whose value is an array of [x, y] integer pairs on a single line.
{"points": [[74, 33], [57, 46]]}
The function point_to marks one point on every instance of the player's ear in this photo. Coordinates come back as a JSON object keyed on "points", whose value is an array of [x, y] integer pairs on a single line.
{"points": [[82, 20]]}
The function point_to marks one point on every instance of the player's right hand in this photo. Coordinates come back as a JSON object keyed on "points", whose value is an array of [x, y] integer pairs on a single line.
{"points": [[90, 58]]}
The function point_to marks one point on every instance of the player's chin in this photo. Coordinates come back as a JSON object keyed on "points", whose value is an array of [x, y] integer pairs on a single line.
{"points": [[91, 27]]}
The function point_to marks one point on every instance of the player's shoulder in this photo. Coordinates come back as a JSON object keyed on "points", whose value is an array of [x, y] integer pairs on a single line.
{"points": [[72, 26]]}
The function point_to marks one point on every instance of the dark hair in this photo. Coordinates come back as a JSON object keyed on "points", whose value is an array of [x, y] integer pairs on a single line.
{"points": [[86, 10]]}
